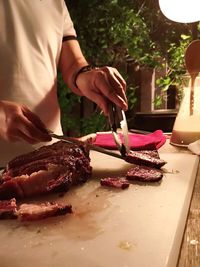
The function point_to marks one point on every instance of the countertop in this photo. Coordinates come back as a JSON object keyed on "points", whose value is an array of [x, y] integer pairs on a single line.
{"points": [[190, 249]]}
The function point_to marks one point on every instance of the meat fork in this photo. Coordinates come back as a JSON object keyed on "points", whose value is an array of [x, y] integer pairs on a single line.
{"points": [[117, 116]]}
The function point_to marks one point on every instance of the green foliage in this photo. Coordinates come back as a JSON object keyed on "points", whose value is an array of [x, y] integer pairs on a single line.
{"points": [[109, 31], [158, 100], [131, 96], [93, 124], [176, 64]]}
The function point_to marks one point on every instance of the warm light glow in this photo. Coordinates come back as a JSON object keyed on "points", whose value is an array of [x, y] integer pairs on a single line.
{"points": [[184, 11]]}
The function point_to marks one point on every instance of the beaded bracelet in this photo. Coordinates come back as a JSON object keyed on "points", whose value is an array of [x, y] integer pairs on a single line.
{"points": [[82, 70]]}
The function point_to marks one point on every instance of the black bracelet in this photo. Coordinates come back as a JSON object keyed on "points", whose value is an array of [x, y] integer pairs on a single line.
{"points": [[81, 70]]}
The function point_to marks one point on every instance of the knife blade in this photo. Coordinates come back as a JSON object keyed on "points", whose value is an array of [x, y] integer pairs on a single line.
{"points": [[72, 140]]}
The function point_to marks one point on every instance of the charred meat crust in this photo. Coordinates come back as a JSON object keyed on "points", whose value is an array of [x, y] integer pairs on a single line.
{"points": [[50, 168], [59, 152]]}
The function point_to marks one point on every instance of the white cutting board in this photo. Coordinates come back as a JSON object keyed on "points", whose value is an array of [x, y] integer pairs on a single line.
{"points": [[138, 227]]}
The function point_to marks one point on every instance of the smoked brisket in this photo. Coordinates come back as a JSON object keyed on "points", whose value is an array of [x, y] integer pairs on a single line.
{"points": [[31, 212], [55, 167]]}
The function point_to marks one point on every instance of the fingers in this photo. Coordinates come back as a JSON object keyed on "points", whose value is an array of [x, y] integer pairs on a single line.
{"points": [[39, 132], [34, 119], [18, 122], [102, 85], [100, 100], [117, 83], [33, 133], [21, 128], [114, 73], [110, 85], [22, 136]]}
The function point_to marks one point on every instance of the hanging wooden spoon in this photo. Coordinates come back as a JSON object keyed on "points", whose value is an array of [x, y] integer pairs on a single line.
{"points": [[192, 62]]}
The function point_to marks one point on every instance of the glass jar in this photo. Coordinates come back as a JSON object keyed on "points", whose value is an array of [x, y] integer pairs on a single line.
{"points": [[186, 127]]}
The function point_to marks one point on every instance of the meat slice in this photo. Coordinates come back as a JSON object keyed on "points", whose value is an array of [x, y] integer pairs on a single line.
{"points": [[152, 153], [8, 209], [144, 174], [50, 168], [144, 158], [117, 182], [31, 212]]}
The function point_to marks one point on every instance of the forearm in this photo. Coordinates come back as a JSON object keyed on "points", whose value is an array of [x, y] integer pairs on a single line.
{"points": [[71, 60]]}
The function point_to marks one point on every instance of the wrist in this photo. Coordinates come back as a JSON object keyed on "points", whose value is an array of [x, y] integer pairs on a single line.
{"points": [[83, 69]]}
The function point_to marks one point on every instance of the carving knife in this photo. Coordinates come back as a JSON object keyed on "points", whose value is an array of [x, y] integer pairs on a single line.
{"points": [[72, 140]]}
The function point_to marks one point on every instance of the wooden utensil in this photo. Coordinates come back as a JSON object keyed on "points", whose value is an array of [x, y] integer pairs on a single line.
{"points": [[192, 62]]}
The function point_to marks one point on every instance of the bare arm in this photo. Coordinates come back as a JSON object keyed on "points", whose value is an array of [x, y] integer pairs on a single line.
{"points": [[100, 85]]}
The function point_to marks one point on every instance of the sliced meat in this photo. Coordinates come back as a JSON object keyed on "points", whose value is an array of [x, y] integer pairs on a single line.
{"points": [[144, 174], [32, 212], [117, 182], [8, 209], [152, 153], [50, 168], [144, 158]]}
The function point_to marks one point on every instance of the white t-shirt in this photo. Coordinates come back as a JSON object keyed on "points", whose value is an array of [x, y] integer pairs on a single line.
{"points": [[31, 33]]}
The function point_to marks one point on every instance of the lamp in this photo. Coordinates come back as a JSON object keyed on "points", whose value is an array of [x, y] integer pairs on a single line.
{"points": [[183, 11]]}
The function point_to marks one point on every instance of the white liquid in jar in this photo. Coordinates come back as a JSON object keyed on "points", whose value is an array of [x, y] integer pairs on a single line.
{"points": [[186, 130]]}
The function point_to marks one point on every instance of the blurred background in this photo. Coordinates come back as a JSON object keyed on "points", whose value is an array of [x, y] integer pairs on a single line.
{"points": [[147, 49]]}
